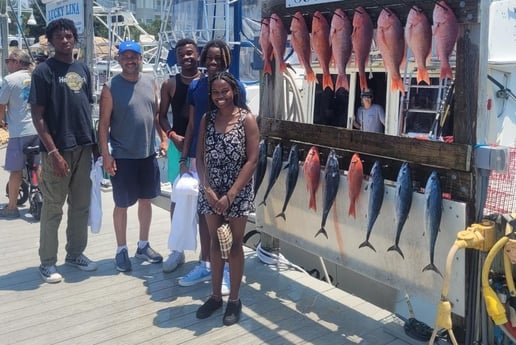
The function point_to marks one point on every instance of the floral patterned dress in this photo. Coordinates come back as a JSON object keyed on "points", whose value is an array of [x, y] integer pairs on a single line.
{"points": [[225, 155]]}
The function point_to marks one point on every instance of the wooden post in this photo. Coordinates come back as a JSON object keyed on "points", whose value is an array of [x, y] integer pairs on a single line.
{"points": [[272, 105], [88, 34]]}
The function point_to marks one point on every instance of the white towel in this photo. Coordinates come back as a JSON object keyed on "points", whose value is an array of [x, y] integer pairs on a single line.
{"points": [[183, 228], [95, 217]]}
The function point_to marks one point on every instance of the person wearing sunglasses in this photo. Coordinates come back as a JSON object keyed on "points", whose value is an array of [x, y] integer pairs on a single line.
{"points": [[15, 111], [370, 117]]}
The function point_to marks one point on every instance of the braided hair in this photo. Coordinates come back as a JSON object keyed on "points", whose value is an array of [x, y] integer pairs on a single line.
{"points": [[224, 50]]}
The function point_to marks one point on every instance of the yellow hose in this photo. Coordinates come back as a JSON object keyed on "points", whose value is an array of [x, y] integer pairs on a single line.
{"points": [[479, 237], [447, 273], [495, 308]]}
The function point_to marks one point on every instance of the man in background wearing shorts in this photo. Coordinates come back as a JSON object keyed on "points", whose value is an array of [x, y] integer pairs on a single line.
{"points": [[13, 98]]}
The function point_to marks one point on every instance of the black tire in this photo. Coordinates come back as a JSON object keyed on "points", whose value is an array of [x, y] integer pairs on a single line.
{"points": [[23, 193], [35, 205]]}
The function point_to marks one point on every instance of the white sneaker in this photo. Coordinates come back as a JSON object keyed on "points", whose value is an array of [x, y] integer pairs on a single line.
{"points": [[50, 274], [175, 259], [225, 288]]}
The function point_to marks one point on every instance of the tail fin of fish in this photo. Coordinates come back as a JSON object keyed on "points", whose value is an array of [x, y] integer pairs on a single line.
{"points": [[432, 267], [267, 69], [282, 215], [397, 249], [352, 210], [366, 243], [322, 231], [327, 82], [363, 81], [446, 71], [397, 84], [312, 204], [342, 82], [311, 77], [422, 75], [282, 65]]}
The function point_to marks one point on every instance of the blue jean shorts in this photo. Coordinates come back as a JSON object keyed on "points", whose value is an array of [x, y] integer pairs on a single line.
{"points": [[14, 157], [135, 179]]}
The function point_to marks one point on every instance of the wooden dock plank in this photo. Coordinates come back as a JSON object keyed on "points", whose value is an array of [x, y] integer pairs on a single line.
{"points": [[280, 305]]}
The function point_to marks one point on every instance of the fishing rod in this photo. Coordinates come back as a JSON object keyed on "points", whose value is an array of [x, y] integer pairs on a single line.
{"points": [[444, 108]]}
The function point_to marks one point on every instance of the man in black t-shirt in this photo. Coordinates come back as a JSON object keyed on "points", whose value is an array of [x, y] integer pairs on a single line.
{"points": [[60, 99]]}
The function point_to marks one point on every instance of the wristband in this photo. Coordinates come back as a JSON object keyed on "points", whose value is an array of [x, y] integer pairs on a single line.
{"points": [[52, 151], [170, 134]]}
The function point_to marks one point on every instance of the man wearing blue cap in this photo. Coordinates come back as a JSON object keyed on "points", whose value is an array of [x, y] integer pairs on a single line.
{"points": [[128, 110]]}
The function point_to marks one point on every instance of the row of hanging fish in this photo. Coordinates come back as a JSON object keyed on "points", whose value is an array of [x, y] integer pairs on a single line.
{"points": [[312, 174], [339, 39]]}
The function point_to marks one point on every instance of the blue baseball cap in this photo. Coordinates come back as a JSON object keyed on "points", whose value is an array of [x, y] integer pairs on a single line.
{"points": [[129, 46]]}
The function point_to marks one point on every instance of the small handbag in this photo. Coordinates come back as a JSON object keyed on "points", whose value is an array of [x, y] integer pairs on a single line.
{"points": [[225, 239]]}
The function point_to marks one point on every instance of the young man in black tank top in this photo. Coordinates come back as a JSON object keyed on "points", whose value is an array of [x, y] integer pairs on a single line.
{"points": [[173, 94]]}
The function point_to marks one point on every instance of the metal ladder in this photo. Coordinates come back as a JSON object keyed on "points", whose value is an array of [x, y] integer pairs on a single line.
{"points": [[214, 24], [442, 97]]}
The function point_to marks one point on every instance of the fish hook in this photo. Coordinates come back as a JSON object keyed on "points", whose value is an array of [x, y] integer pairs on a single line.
{"points": [[259, 21], [357, 10], [388, 10], [338, 15], [417, 9], [437, 2]]}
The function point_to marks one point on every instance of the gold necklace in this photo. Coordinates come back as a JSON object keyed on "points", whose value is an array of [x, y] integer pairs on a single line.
{"points": [[192, 77]]}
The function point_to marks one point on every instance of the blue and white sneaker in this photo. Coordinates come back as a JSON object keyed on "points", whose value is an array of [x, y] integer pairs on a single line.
{"points": [[50, 274], [122, 261], [81, 262], [199, 274], [148, 254]]}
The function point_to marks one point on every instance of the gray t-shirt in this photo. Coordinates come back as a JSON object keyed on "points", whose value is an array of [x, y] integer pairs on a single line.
{"points": [[15, 93], [132, 129], [372, 119]]}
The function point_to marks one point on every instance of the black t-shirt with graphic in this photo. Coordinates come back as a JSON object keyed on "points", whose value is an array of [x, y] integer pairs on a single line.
{"points": [[64, 89]]}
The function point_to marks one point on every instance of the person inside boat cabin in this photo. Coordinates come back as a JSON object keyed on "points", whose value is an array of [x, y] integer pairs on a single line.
{"points": [[370, 117]]}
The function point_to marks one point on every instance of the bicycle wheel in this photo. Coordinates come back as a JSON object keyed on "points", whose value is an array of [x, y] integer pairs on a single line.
{"points": [[23, 192], [36, 202]]}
